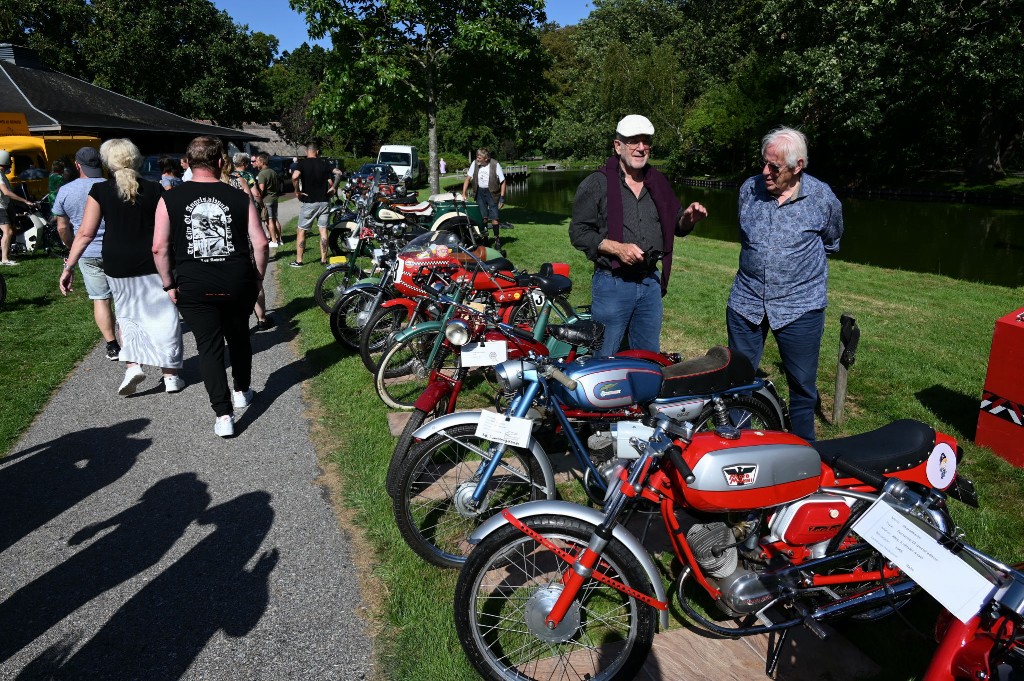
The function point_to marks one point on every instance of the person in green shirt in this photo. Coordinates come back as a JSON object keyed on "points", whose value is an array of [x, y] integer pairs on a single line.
{"points": [[268, 188]]}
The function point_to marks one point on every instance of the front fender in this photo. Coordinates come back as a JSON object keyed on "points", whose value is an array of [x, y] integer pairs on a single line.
{"points": [[435, 392], [372, 288], [407, 303], [463, 417], [422, 327], [587, 515]]}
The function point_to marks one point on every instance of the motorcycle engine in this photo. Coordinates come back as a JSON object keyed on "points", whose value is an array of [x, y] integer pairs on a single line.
{"points": [[714, 547]]}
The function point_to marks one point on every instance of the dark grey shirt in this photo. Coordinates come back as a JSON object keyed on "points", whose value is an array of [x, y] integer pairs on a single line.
{"points": [[589, 226]]}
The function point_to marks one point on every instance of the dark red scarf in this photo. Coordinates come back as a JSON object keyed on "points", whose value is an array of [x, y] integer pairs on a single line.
{"points": [[665, 202]]}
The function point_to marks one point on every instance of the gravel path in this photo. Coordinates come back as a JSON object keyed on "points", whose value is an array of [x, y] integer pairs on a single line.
{"points": [[135, 544]]}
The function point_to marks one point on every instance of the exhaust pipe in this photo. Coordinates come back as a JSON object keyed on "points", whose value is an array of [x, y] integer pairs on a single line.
{"points": [[867, 600]]}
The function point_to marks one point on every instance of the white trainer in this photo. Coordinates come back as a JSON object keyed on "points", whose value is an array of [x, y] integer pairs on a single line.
{"points": [[132, 378], [173, 383], [240, 399], [224, 426]]}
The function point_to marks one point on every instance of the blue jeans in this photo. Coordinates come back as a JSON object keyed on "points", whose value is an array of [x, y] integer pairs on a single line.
{"points": [[627, 306], [799, 346]]}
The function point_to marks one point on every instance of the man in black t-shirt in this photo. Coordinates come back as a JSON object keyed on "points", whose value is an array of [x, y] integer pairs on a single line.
{"points": [[313, 182]]}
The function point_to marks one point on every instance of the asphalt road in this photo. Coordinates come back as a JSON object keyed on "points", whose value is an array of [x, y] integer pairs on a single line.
{"points": [[136, 544]]}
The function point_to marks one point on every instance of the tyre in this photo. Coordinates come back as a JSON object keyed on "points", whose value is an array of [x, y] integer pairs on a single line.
{"points": [[404, 445], [348, 315], [337, 241], [375, 336], [436, 480], [745, 412], [527, 312], [332, 284], [403, 373], [508, 586]]}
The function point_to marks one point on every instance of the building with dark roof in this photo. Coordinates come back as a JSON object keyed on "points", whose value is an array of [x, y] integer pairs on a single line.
{"points": [[57, 104]]}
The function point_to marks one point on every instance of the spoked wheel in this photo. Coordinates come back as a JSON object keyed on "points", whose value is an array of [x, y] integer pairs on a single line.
{"points": [[433, 506], [332, 284], [746, 412], [509, 585], [404, 371], [349, 314], [404, 445], [375, 336], [337, 241], [528, 311]]}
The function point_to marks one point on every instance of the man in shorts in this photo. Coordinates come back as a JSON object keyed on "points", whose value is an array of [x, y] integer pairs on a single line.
{"points": [[69, 207], [313, 182], [268, 188]]}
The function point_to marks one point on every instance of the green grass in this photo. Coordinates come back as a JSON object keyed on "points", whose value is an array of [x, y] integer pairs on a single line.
{"points": [[43, 335], [923, 354]]}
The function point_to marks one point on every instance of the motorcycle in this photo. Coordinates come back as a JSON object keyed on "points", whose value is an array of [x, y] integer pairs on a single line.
{"points": [[761, 522], [465, 468]]}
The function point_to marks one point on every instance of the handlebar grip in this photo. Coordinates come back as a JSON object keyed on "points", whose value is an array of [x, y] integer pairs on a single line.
{"points": [[675, 455], [562, 378], [869, 477]]}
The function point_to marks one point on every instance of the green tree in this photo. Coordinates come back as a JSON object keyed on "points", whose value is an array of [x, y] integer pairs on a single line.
{"points": [[292, 83], [420, 54]]}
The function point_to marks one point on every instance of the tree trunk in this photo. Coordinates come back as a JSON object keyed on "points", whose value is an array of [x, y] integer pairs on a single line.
{"points": [[435, 181]]}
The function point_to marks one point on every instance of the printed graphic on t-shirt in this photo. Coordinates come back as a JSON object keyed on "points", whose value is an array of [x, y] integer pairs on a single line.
{"points": [[208, 229]]}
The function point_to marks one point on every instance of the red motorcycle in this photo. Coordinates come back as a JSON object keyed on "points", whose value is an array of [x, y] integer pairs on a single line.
{"points": [[761, 522]]}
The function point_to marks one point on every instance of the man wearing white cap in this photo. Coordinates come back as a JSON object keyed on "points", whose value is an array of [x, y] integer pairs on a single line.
{"points": [[625, 217]]}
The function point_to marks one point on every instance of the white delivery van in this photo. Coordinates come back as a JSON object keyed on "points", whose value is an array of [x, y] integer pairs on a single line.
{"points": [[403, 159]]}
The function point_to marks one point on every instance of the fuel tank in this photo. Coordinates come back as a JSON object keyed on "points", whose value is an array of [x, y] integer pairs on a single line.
{"points": [[610, 382], [757, 470]]}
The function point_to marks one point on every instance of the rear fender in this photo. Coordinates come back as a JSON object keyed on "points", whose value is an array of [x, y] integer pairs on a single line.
{"points": [[768, 392], [471, 417], [587, 515]]}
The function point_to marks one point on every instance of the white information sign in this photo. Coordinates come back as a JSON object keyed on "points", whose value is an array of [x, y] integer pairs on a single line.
{"points": [[484, 354], [952, 582], [510, 430]]}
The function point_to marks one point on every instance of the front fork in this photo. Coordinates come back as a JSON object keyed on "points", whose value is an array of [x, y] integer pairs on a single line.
{"points": [[521, 404]]}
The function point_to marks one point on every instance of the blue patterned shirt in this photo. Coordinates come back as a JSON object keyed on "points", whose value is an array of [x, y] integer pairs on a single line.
{"points": [[783, 270]]}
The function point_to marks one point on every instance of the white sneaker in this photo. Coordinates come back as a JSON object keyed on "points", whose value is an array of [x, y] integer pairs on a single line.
{"points": [[274, 244], [173, 383], [241, 399], [132, 378], [224, 426]]}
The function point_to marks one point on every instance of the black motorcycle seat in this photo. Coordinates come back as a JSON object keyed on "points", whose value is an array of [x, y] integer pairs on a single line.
{"points": [[553, 285], [898, 446], [718, 370], [584, 333]]}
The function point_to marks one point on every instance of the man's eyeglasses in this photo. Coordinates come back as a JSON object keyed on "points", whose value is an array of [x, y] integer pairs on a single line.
{"points": [[636, 144], [774, 169]]}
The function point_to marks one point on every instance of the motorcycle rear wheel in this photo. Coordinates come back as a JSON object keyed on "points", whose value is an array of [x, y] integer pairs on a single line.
{"points": [[507, 587], [437, 477], [348, 311], [746, 412]]}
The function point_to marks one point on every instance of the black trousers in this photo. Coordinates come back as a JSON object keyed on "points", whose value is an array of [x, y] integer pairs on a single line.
{"points": [[212, 320]]}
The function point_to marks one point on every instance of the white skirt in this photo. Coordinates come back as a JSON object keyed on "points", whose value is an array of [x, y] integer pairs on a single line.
{"points": [[148, 321]]}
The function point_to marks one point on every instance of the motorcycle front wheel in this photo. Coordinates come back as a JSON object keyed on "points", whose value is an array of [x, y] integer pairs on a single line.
{"points": [[332, 284], [509, 584], [404, 372], [438, 477], [375, 336], [405, 443], [349, 314]]}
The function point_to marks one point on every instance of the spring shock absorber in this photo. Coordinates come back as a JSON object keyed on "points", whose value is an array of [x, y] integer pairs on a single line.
{"points": [[721, 413]]}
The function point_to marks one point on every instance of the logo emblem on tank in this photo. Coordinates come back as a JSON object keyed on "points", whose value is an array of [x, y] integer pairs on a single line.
{"points": [[609, 389], [740, 475]]}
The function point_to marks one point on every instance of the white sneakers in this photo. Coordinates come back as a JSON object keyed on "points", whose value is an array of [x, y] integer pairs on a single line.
{"points": [[224, 426], [173, 383], [132, 378], [274, 244], [240, 399]]}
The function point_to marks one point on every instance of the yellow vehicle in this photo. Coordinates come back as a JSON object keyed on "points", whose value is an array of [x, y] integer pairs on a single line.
{"points": [[32, 156]]}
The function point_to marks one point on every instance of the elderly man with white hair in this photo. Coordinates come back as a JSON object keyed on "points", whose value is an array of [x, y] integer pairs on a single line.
{"points": [[789, 223], [625, 217]]}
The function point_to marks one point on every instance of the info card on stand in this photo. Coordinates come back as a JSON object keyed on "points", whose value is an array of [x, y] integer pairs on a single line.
{"points": [[953, 583], [510, 430], [484, 354]]}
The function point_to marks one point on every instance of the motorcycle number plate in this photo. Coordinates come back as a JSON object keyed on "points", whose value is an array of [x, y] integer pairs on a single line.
{"points": [[484, 354], [509, 430]]}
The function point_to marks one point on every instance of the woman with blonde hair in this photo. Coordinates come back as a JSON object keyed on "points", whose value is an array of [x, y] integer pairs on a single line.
{"points": [[146, 318]]}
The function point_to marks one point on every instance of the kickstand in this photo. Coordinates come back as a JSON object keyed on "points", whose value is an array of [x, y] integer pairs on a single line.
{"points": [[771, 663]]}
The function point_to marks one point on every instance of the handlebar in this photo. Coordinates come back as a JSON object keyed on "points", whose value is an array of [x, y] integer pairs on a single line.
{"points": [[556, 373], [675, 455]]}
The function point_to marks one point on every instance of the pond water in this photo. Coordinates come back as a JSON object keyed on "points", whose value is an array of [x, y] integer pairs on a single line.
{"points": [[971, 242]]}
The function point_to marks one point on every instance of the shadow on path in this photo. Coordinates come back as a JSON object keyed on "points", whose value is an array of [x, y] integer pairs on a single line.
{"points": [[159, 632], [40, 483]]}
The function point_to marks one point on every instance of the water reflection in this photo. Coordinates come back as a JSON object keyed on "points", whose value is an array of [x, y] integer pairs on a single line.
{"points": [[963, 241]]}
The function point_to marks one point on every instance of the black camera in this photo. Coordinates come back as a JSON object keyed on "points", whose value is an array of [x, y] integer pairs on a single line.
{"points": [[651, 258]]}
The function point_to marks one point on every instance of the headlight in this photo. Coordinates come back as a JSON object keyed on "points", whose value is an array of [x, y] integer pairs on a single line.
{"points": [[457, 332], [510, 374]]}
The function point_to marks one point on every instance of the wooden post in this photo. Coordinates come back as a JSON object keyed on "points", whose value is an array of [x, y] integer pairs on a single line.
{"points": [[849, 336]]}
